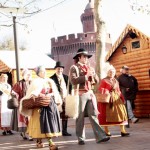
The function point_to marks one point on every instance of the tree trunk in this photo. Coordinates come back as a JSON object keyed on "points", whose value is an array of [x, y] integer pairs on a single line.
{"points": [[100, 40]]}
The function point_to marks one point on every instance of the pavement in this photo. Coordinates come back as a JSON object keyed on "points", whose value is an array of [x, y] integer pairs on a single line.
{"points": [[139, 139]]}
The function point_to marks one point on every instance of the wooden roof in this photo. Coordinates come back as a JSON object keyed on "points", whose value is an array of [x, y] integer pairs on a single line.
{"points": [[27, 59], [128, 29], [4, 67]]}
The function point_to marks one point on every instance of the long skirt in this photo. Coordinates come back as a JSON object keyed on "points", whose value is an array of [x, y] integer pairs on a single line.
{"points": [[18, 121], [5, 113], [115, 115], [45, 122]]}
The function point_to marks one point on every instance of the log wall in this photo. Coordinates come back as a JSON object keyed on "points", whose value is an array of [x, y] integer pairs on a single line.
{"points": [[138, 60]]}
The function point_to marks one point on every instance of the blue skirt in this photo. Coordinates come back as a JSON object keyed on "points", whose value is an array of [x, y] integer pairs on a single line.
{"points": [[50, 118]]}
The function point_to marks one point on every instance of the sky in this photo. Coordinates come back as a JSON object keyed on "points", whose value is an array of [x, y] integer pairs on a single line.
{"points": [[64, 19]]}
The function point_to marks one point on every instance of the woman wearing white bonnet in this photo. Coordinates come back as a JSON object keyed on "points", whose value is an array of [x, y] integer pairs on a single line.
{"points": [[25, 71], [106, 68], [114, 112], [5, 113], [45, 121], [19, 122]]}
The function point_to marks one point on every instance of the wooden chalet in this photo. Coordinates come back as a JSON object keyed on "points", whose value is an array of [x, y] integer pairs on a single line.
{"points": [[27, 59], [133, 49]]}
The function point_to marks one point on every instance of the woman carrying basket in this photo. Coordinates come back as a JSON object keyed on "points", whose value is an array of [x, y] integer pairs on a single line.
{"points": [[45, 120], [114, 112]]}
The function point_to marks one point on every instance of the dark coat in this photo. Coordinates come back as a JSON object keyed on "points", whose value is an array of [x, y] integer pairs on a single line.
{"points": [[128, 81], [54, 77], [1, 93]]}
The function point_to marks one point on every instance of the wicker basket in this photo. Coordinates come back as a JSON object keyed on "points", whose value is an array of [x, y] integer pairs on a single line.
{"points": [[36, 103], [103, 98]]}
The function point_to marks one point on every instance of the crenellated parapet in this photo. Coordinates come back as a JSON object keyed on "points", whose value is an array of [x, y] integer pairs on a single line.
{"points": [[76, 38], [73, 38]]}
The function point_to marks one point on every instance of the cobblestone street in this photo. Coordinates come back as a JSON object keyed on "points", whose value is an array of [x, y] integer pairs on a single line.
{"points": [[139, 139]]}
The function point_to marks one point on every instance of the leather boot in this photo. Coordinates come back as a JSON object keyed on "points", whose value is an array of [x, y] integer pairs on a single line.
{"points": [[64, 128]]}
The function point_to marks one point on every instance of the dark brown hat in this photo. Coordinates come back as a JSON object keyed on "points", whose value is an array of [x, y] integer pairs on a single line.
{"points": [[125, 67], [59, 64], [83, 52]]}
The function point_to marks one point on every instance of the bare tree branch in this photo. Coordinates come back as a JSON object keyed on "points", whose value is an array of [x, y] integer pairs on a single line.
{"points": [[53, 6], [22, 24], [4, 25], [30, 13], [5, 15], [5, 2], [30, 3]]}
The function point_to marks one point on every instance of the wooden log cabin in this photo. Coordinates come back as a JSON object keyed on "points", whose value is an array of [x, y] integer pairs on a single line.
{"points": [[27, 59], [133, 49]]}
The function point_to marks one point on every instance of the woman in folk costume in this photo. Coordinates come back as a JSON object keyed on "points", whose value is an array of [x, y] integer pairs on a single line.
{"points": [[114, 112], [5, 113], [44, 122], [19, 122]]}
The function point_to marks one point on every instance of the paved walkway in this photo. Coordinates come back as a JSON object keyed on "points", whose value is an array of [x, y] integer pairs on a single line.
{"points": [[138, 140]]}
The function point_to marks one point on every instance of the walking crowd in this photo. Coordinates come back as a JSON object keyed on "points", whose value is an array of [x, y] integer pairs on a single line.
{"points": [[41, 113]]}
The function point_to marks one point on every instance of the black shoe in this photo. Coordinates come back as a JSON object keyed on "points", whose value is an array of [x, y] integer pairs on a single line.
{"points": [[66, 134], [108, 134], [30, 139], [9, 132], [124, 134], [127, 126], [4, 133], [81, 142], [23, 136], [104, 140]]}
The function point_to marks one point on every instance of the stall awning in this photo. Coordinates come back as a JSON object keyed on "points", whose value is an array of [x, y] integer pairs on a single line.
{"points": [[27, 59]]}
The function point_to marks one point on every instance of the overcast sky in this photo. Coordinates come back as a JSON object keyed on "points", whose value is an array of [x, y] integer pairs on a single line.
{"points": [[64, 19]]}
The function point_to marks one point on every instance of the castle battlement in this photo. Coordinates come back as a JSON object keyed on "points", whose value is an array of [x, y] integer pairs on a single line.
{"points": [[73, 38]]}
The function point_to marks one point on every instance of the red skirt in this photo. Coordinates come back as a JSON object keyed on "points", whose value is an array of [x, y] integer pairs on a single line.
{"points": [[102, 116]]}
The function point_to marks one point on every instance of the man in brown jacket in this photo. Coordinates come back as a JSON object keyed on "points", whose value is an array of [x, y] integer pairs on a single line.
{"points": [[87, 104]]}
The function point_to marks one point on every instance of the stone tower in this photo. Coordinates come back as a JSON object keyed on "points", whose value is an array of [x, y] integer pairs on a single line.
{"points": [[63, 48], [87, 18]]}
